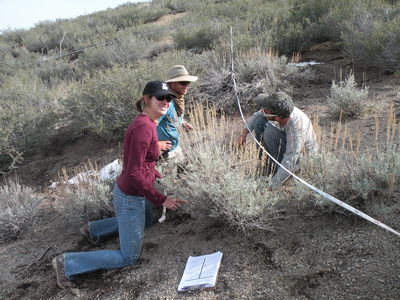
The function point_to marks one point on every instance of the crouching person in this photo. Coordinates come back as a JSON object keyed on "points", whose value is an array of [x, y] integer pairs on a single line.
{"points": [[132, 188], [284, 131]]}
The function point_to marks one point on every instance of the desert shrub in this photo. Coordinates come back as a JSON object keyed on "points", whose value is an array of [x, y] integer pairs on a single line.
{"points": [[256, 71], [253, 22], [378, 175], [329, 172], [367, 181], [176, 5], [130, 15], [54, 71], [27, 114], [105, 101], [67, 35], [345, 99], [220, 180], [86, 200], [372, 40], [307, 23], [46, 37], [18, 206], [124, 49], [49, 70], [14, 59], [202, 37], [60, 36]]}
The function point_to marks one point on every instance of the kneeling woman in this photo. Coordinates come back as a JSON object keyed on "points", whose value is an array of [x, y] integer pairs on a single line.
{"points": [[132, 188]]}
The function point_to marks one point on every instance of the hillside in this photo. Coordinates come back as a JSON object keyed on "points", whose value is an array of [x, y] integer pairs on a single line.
{"points": [[308, 254], [309, 250]]}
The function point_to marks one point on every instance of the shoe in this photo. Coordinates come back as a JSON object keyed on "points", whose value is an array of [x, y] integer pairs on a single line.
{"points": [[85, 233], [58, 265]]}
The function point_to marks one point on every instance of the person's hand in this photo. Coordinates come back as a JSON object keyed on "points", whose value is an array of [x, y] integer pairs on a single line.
{"points": [[164, 145], [173, 203], [187, 126]]}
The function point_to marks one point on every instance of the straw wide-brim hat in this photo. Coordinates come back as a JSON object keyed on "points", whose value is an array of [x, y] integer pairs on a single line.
{"points": [[179, 73]]}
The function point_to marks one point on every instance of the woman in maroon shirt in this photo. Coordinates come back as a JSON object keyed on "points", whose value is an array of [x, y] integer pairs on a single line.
{"points": [[133, 187]]}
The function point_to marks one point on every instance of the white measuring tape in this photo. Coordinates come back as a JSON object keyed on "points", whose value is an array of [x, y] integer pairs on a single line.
{"points": [[318, 191]]}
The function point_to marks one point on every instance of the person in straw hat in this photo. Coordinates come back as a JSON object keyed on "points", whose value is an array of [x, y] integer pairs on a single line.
{"points": [[178, 81], [283, 130]]}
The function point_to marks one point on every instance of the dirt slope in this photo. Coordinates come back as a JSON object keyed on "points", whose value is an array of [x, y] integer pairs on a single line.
{"points": [[309, 255]]}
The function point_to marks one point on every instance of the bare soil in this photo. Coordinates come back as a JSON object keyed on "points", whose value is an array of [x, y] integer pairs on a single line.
{"points": [[308, 255]]}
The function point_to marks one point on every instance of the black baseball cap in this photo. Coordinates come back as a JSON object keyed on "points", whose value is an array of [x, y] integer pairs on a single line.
{"points": [[157, 88]]}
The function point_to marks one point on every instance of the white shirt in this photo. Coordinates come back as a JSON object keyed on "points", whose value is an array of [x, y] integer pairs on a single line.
{"points": [[299, 134]]}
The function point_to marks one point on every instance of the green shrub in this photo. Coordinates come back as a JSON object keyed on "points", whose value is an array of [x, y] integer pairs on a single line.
{"points": [[18, 206], [14, 59], [27, 114], [49, 36], [55, 71], [253, 23], [126, 48], [373, 40], [105, 101], [345, 99], [199, 38], [130, 15]]}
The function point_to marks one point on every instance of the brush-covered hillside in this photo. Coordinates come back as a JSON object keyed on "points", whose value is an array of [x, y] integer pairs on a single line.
{"points": [[67, 94]]}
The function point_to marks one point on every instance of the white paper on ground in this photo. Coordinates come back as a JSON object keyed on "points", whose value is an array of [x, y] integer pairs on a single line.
{"points": [[200, 272]]}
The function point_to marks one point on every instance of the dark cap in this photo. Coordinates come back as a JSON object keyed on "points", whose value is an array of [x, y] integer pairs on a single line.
{"points": [[279, 103], [157, 88]]}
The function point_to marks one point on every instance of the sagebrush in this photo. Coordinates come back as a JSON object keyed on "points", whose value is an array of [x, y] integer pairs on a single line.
{"points": [[18, 207]]}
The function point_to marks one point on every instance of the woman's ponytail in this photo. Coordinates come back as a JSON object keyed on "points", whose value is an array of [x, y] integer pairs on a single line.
{"points": [[139, 105]]}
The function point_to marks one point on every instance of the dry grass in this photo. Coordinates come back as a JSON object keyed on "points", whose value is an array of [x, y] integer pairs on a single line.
{"points": [[224, 180], [358, 170]]}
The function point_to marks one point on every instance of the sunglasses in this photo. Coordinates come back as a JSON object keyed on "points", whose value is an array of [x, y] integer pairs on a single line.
{"points": [[184, 83], [162, 98]]}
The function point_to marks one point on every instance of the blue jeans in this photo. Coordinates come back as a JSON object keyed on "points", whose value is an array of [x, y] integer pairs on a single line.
{"points": [[273, 140], [103, 228], [130, 211]]}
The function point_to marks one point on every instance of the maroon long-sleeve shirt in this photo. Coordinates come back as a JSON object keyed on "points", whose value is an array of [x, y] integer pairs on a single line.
{"points": [[140, 153]]}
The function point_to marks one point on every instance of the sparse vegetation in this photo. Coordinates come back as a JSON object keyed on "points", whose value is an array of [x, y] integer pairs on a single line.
{"points": [[218, 178], [366, 180], [86, 199], [256, 70], [71, 82], [28, 114], [18, 206], [346, 99]]}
